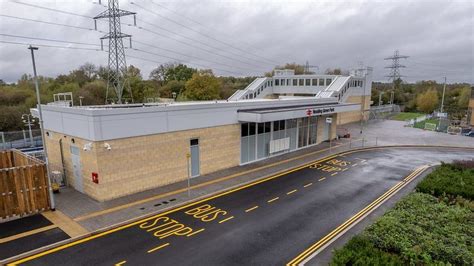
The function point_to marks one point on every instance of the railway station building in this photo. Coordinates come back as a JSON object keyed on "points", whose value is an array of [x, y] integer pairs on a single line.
{"points": [[111, 151]]}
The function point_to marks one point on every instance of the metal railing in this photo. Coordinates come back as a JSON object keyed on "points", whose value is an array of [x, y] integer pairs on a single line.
{"points": [[20, 139]]}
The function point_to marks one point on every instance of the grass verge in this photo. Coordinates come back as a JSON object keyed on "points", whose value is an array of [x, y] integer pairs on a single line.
{"points": [[406, 116]]}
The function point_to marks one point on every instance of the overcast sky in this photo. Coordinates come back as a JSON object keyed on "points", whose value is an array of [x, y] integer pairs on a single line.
{"points": [[249, 37]]}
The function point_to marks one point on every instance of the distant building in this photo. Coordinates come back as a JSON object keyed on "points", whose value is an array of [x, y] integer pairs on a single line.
{"points": [[114, 150], [470, 110]]}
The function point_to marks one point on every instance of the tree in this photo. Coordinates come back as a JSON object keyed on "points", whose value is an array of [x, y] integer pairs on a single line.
{"points": [[336, 71], [89, 70], [202, 86], [173, 86], [427, 101], [171, 71]]}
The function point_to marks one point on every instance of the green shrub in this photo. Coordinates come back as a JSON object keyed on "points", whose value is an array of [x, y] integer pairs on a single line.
{"points": [[423, 230], [419, 230], [360, 251], [454, 180]]}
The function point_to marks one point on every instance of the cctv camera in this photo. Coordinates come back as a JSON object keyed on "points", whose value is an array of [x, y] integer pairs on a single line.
{"points": [[107, 146]]}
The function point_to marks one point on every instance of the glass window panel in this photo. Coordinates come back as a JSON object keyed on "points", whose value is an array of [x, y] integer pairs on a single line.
{"points": [[301, 82], [307, 82], [194, 142], [295, 82], [244, 149], [260, 128], [277, 82], [321, 82], [260, 146], [315, 82], [251, 129], [276, 126], [268, 127], [328, 81], [252, 140], [244, 130], [282, 124]]}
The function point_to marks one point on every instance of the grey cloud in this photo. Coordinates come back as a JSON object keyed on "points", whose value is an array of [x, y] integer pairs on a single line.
{"points": [[437, 35]]}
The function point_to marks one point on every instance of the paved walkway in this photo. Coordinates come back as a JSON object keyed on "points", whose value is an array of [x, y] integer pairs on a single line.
{"points": [[94, 215]]}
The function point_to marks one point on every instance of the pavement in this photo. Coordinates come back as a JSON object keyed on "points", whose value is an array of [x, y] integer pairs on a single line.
{"points": [[267, 222], [36, 231]]}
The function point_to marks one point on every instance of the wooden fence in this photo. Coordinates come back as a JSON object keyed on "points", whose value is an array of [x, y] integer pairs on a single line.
{"points": [[23, 185]]}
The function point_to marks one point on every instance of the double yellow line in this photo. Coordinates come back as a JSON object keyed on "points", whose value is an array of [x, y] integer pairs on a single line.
{"points": [[323, 241]]}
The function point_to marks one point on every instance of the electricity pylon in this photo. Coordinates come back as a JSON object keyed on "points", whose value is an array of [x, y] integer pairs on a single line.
{"points": [[117, 66]]}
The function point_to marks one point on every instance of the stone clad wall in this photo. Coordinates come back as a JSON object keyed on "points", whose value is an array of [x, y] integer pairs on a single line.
{"points": [[140, 163], [350, 117], [88, 160]]}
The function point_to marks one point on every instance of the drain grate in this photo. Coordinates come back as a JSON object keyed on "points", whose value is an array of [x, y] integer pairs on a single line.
{"points": [[164, 202], [156, 205], [172, 199]]}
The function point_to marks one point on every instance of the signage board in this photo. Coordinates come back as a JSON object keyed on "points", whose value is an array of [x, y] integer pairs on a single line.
{"points": [[329, 120]]}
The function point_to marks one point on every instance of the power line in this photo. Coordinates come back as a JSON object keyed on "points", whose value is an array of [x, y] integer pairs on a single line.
{"points": [[191, 56], [76, 48], [52, 9], [48, 22], [52, 46], [210, 37], [45, 39], [204, 26], [144, 29], [194, 46], [223, 70]]}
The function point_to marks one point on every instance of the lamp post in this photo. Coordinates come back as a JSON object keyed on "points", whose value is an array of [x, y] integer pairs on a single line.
{"points": [[28, 120], [38, 99]]}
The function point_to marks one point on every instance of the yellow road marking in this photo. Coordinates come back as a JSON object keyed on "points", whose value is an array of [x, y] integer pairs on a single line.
{"points": [[293, 191], [133, 223], [307, 185], [226, 219], [333, 174], [321, 179], [198, 231], [138, 202], [120, 263], [272, 200], [82, 240], [158, 247], [251, 209], [27, 233], [298, 259]]}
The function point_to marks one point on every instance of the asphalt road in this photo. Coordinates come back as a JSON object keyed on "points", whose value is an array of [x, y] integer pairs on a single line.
{"points": [[268, 223]]}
